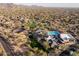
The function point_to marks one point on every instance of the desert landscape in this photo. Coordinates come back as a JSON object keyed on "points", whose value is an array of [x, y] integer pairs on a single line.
{"points": [[38, 31]]}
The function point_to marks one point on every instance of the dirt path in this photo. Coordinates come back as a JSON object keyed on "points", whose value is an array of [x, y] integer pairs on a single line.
{"points": [[6, 46]]}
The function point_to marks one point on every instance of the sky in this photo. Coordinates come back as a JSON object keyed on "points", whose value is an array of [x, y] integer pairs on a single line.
{"points": [[52, 4]]}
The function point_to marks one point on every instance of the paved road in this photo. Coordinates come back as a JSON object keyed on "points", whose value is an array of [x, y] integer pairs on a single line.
{"points": [[6, 46]]}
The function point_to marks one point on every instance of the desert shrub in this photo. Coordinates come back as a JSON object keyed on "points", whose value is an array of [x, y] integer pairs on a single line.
{"points": [[32, 24]]}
